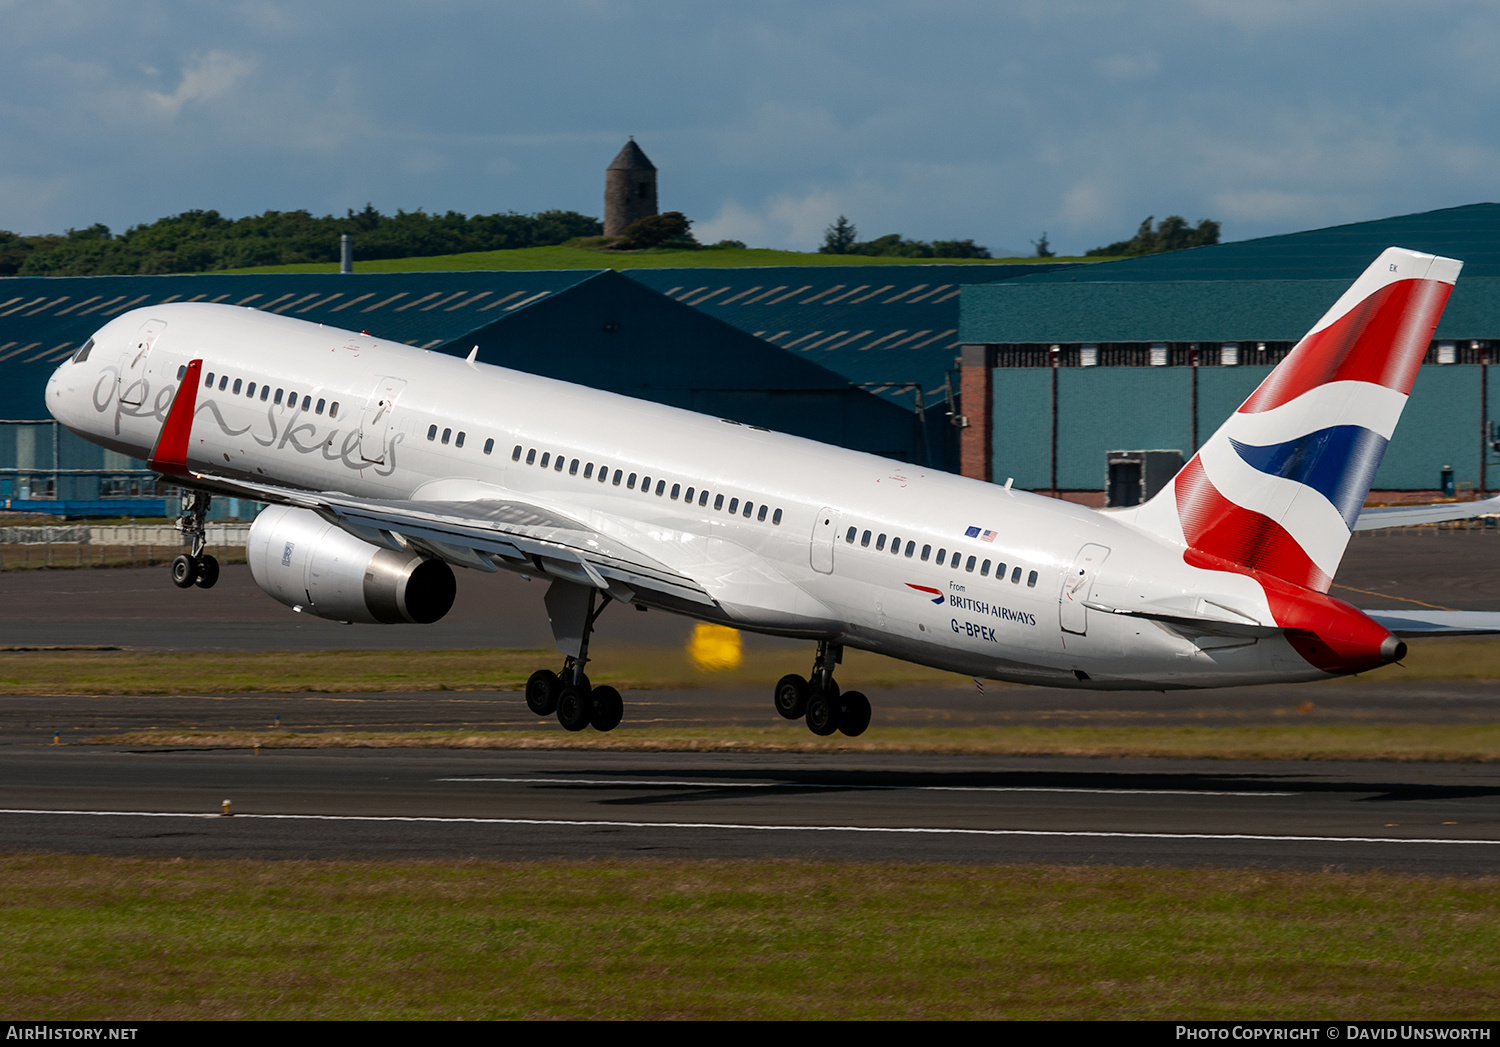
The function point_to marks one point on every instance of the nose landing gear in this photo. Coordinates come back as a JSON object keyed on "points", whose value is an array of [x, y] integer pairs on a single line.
{"points": [[195, 567], [819, 701]]}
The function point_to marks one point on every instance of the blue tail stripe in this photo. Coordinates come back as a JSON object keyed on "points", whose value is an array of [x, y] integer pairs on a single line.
{"points": [[1339, 463]]}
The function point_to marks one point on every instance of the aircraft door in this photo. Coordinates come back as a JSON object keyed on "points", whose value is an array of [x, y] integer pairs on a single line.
{"points": [[377, 426], [825, 530], [1077, 585], [131, 384]]}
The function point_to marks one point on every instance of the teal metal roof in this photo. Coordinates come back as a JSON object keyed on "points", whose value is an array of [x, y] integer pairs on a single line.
{"points": [[1272, 289], [44, 319], [870, 323]]}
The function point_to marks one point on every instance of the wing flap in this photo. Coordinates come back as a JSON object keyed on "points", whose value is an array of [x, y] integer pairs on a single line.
{"points": [[1410, 515]]}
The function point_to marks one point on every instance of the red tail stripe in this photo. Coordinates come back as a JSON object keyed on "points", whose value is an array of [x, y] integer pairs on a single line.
{"points": [[170, 453], [1381, 340], [1215, 526]]}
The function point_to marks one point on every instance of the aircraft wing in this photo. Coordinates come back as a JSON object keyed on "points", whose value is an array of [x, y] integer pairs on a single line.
{"points": [[1407, 515], [1438, 623], [528, 534]]}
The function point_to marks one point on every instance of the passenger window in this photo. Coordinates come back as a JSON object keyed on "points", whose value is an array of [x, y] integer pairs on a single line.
{"points": [[278, 398], [447, 435], [223, 383], [749, 506], [333, 409], [864, 539], [321, 404], [573, 467], [209, 383], [1015, 576], [692, 493], [1000, 572], [432, 432], [676, 490], [236, 389], [531, 456], [760, 517], [718, 502], [926, 551], [661, 485], [941, 554], [849, 536], [459, 440], [489, 445], [546, 457], [734, 505], [776, 518], [971, 564], [181, 371], [703, 497], [250, 389], [558, 463], [984, 568], [306, 403], [880, 544], [911, 547], [896, 546], [1031, 580], [265, 391], [291, 401], [630, 483], [588, 471], [617, 478]]}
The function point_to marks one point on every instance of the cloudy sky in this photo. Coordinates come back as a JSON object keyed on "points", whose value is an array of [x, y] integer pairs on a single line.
{"points": [[938, 119]]}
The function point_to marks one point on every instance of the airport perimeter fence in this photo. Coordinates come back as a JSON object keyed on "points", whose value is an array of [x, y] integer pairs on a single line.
{"points": [[119, 545]]}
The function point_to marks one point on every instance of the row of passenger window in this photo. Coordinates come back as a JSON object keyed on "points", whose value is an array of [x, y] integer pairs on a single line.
{"points": [[957, 561], [560, 462], [458, 441], [250, 389]]}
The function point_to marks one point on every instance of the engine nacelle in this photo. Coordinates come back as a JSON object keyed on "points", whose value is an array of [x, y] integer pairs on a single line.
{"points": [[312, 566]]}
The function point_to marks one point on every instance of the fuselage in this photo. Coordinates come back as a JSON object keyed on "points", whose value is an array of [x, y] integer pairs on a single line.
{"points": [[788, 536]]}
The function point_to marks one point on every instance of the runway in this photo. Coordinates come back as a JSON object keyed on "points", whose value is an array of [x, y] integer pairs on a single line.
{"points": [[394, 803], [1440, 819]]}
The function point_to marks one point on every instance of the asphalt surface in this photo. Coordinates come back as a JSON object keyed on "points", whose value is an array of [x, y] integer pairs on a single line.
{"points": [[571, 804], [582, 805]]}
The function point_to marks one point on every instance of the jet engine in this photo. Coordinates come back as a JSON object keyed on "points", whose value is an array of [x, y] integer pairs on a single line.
{"points": [[312, 566]]}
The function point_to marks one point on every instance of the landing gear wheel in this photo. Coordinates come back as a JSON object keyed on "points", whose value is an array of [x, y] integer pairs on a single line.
{"points": [[854, 717], [541, 692], [184, 571], [822, 714], [208, 572], [609, 708], [574, 709], [791, 696]]}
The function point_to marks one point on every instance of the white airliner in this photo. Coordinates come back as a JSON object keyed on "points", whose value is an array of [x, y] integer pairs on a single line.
{"points": [[386, 464]]}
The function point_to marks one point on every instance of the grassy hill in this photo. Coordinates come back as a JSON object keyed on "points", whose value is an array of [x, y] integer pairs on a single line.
{"points": [[564, 257]]}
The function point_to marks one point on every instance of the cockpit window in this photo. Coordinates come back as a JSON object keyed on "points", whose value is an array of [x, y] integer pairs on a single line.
{"points": [[83, 353]]}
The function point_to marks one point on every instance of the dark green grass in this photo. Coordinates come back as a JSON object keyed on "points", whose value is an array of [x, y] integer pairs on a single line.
{"points": [[135, 939]]}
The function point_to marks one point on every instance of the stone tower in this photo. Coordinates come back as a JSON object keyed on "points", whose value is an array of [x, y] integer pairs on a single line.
{"points": [[629, 190]]}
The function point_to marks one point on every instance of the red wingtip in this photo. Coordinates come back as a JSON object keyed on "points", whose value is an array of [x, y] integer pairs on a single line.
{"points": [[170, 453]]}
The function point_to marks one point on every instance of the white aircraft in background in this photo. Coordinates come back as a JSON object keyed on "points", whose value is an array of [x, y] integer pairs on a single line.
{"points": [[387, 465]]}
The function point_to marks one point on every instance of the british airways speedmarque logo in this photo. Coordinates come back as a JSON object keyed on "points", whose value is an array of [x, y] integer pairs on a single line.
{"points": [[937, 593]]}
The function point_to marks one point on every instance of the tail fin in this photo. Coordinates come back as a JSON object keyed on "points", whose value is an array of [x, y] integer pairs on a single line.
{"points": [[1277, 489]]}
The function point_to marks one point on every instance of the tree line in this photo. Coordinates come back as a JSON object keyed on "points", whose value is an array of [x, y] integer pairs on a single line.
{"points": [[843, 238], [203, 241]]}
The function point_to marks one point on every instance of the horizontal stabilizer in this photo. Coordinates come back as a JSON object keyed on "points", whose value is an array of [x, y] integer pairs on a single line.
{"points": [[1438, 623], [1205, 619], [1410, 515]]}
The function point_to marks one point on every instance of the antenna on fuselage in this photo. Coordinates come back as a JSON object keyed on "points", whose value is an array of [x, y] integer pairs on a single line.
{"points": [[472, 354]]}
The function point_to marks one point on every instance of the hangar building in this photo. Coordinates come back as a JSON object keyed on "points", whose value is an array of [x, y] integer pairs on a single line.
{"points": [[1060, 368]]}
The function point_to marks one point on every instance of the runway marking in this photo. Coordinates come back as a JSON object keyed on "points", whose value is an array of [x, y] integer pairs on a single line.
{"points": [[908, 788], [911, 830]]}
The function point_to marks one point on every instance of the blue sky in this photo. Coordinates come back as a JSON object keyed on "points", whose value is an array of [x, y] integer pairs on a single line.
{"points": [[941, 119]]}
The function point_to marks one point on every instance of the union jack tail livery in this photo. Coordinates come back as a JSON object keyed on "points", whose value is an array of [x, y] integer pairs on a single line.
{"points": [[1277, 489]]}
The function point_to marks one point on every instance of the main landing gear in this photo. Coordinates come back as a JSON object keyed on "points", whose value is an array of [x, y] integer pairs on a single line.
{"points": [[577, 703], [819, 700], [194, 568]]}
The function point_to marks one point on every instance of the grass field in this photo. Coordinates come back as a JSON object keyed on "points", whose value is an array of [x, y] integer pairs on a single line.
{"points": [[136, 939], [657, 258]]}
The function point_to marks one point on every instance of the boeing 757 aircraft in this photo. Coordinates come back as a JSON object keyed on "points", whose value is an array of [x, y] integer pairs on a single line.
{"points": [[387, 466]]}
